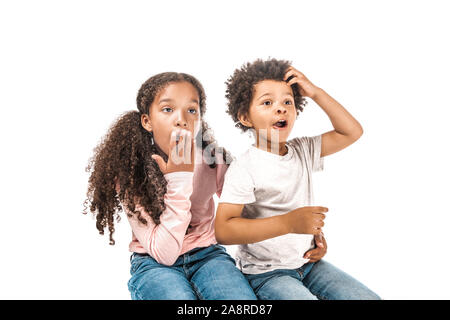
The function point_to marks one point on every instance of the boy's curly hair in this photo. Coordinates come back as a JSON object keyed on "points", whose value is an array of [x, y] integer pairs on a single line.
{"points": [[240, 86], [123, 157]]}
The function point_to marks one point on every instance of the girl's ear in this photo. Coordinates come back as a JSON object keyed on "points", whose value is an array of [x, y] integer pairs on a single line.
{"points": [[243, 119], [145, 121]]}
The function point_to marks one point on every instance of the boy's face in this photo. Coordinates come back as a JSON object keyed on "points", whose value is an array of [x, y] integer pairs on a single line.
{"points": [[272, 101]]}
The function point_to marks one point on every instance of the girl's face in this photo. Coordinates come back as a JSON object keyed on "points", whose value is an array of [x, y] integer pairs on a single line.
{"points": [[272, 112], [175, 106]]}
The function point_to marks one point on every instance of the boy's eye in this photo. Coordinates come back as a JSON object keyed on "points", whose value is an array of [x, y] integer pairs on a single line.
{"points": [[167, 108], [193, 111], [267, 103], [288, 102]]}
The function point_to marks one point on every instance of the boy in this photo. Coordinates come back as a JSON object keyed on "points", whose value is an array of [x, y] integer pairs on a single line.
{"points": [[266, 199]]}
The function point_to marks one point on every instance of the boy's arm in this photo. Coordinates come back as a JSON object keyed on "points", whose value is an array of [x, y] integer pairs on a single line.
{"points": [[346, 128], [231, 228]]}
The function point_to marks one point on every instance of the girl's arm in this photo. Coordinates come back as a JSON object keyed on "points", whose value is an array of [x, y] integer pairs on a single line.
{"points": [[221, 169], [164, 241]]}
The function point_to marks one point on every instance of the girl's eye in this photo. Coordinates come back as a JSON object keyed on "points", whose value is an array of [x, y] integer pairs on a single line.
{"points": [[267, 103], [167, 108], [193, 111], [288, 102]]}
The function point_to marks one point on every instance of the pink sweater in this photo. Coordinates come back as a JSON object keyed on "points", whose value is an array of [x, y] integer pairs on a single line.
{"points": [[187, 222]]}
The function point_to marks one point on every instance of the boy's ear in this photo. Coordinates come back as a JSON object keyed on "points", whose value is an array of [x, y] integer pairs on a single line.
{"points": [[243, 119], [145, 121]]}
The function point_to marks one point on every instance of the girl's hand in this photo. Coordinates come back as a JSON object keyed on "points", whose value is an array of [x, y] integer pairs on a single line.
{"points": [[319, 252], [306, 87], [181, 155]]}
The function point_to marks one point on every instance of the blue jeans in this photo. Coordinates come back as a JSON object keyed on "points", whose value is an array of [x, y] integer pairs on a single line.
{"points": [[202, 273], [312, 281]]}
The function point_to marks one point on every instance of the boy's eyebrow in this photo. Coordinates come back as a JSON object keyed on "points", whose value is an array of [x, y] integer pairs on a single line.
{"points": [[268, 94], [265, 94]]}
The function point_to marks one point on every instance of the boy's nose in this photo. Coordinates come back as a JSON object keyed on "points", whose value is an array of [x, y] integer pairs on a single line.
{"points": [[281, 110]]}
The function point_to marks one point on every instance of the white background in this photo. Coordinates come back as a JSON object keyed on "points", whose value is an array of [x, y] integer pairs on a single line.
{"points": [[69, 68]]}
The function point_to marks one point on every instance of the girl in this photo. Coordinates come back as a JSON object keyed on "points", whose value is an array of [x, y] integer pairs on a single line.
{"points": [[168, 202]]}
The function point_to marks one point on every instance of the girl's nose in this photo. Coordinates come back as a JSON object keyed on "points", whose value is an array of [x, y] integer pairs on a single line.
{"points": [[180, 120], [181, 123]]}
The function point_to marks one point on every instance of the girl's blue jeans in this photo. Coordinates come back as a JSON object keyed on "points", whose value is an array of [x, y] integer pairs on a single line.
{"points": [[202, 273], [318, 280]]}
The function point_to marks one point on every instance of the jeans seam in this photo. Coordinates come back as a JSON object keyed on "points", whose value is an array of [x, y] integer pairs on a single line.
{"points": [[133, 267], [197, 292], [262, 296], [136, 292], [299, 271], [318, 295], [257, 287]]}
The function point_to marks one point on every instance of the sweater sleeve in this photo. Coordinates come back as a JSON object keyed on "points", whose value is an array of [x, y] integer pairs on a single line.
{"points": [[164, 241], [220, 177]]}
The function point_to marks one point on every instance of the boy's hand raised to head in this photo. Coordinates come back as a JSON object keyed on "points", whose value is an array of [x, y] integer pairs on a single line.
{"points": [[305, 220], [306, 87], [181, 155]]}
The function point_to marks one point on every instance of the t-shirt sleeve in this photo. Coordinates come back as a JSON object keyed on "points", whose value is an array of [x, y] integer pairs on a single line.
{"points": [[311, 148], [238, 186]]}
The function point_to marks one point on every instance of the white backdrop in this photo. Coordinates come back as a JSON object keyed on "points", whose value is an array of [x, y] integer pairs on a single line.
{"points": [[68, 69]]}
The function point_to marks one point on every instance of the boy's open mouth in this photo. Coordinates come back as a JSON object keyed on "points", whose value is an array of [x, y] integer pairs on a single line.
{"points": [[280, 124]]}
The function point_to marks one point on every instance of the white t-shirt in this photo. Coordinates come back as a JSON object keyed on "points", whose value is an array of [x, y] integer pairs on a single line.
{"points": [[269, 184]]}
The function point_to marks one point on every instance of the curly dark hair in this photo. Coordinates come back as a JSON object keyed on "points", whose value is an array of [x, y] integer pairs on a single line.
{"points": [[240, 86], [123, 156]]}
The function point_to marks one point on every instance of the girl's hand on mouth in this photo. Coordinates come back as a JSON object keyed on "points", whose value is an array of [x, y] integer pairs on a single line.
{"points": [[181, 155]]}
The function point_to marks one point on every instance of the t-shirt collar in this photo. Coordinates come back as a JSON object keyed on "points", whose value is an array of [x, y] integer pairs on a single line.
{"points": [[270, 155]]}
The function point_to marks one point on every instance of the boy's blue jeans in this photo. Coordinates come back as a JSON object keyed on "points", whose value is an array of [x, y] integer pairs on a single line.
{"points": [[202, 273], [312, 281]]}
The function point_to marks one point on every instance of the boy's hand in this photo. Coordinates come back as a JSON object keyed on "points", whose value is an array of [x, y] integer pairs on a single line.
{"points": [[305, 220], [306, 87], [181, 155], [319, 252]]}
